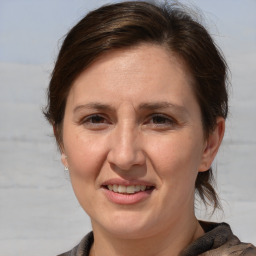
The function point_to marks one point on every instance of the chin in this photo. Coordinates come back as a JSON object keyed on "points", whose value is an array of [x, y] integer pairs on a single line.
{"points": [[127, 225]]}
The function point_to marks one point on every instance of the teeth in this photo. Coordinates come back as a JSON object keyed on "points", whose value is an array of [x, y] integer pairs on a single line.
{"points": [[143, 188], [137, 188], [127, 189], [121, 189], [115, 188], [130, 189]]}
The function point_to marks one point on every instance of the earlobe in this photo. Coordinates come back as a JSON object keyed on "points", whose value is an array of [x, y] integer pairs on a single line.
{"points": [[212, 145], [64, 160], [63, 156]]}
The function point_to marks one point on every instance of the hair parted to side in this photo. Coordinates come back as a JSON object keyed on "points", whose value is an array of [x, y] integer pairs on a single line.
{"points": [[128, 24]]}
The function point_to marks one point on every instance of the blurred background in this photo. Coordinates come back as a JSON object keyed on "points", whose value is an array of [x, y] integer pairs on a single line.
{"points": [[39, 214]]}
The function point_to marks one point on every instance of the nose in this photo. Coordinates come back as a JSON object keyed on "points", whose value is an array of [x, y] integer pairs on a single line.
{"points": [[126, 150]]}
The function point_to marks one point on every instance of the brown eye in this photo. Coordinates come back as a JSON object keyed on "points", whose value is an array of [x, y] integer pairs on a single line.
{"points": [[95, 122], [161, 120], [96, 119]]}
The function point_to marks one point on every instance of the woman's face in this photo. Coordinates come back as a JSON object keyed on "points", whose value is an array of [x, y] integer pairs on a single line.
{"points": [[133, 141]]}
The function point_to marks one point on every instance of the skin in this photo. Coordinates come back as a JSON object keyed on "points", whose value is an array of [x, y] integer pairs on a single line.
{"points": [[133, 115]]}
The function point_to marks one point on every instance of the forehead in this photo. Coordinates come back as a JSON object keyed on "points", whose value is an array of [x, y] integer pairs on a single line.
{"points": [[146, 71]]}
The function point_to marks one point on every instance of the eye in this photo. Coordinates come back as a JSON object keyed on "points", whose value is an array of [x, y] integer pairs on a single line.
{"points": [[161, 121], [95, 121]]}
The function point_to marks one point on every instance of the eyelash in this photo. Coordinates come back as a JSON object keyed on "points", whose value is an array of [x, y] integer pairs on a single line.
{"points": [[167, 120], [89, 119], [155, 120]]}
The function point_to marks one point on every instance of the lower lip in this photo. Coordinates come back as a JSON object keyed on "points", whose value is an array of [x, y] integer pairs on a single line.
{"points": [[127, 199]]}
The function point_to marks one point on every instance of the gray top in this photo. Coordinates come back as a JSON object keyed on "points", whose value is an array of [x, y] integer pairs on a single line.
{"points": [[218, 240]]}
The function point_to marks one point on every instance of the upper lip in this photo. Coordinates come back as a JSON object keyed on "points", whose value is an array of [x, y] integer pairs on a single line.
{"points": [[124, 182]]}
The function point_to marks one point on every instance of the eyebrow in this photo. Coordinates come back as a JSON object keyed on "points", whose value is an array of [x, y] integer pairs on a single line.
{"points": [[93, 105], [161, 105], [143, 106]]}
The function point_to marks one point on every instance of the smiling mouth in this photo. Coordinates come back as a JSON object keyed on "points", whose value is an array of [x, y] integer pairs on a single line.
{"points": [[133, 189]]}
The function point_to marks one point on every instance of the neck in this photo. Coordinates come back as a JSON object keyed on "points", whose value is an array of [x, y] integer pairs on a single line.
{"points": [[168, 242]]}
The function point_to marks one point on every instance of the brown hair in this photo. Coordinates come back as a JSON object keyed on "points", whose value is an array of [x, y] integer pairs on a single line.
{"points": [[128, 24]]}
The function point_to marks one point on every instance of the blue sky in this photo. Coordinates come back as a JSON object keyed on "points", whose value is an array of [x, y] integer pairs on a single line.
{"points": [[30, 30]]}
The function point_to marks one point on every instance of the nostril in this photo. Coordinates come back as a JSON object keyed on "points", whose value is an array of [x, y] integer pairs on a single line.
{"points": [[126, 159]]}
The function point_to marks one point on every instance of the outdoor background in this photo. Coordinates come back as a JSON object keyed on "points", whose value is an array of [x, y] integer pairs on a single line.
{"points": [[39, 214]]}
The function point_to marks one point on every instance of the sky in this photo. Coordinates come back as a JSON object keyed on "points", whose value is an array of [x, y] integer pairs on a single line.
{"points": [[31, 29]]}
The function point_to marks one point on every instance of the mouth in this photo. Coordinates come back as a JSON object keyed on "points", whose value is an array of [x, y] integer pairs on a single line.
{"points": [[129, 190]]}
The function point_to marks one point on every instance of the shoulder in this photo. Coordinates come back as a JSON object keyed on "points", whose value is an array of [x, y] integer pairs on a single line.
{"points": [[233, 247], [238, 249], [218, 240], [83, 248]]}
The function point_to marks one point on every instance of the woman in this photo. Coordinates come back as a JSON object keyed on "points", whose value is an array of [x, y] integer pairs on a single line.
{"points": [[138, 103]]}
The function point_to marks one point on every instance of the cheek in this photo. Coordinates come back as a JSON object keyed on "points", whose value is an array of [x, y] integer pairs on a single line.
{"points": [[177, 165], [179, 154], [85, 154], [85, 159]]}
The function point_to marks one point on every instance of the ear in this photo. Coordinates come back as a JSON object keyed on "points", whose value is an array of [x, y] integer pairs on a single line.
{"points": [[212, 145], [59, 143], [64, 160]]}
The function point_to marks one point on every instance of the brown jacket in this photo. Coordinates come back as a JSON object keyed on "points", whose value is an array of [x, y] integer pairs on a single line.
{"points": [[218, 240]]}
